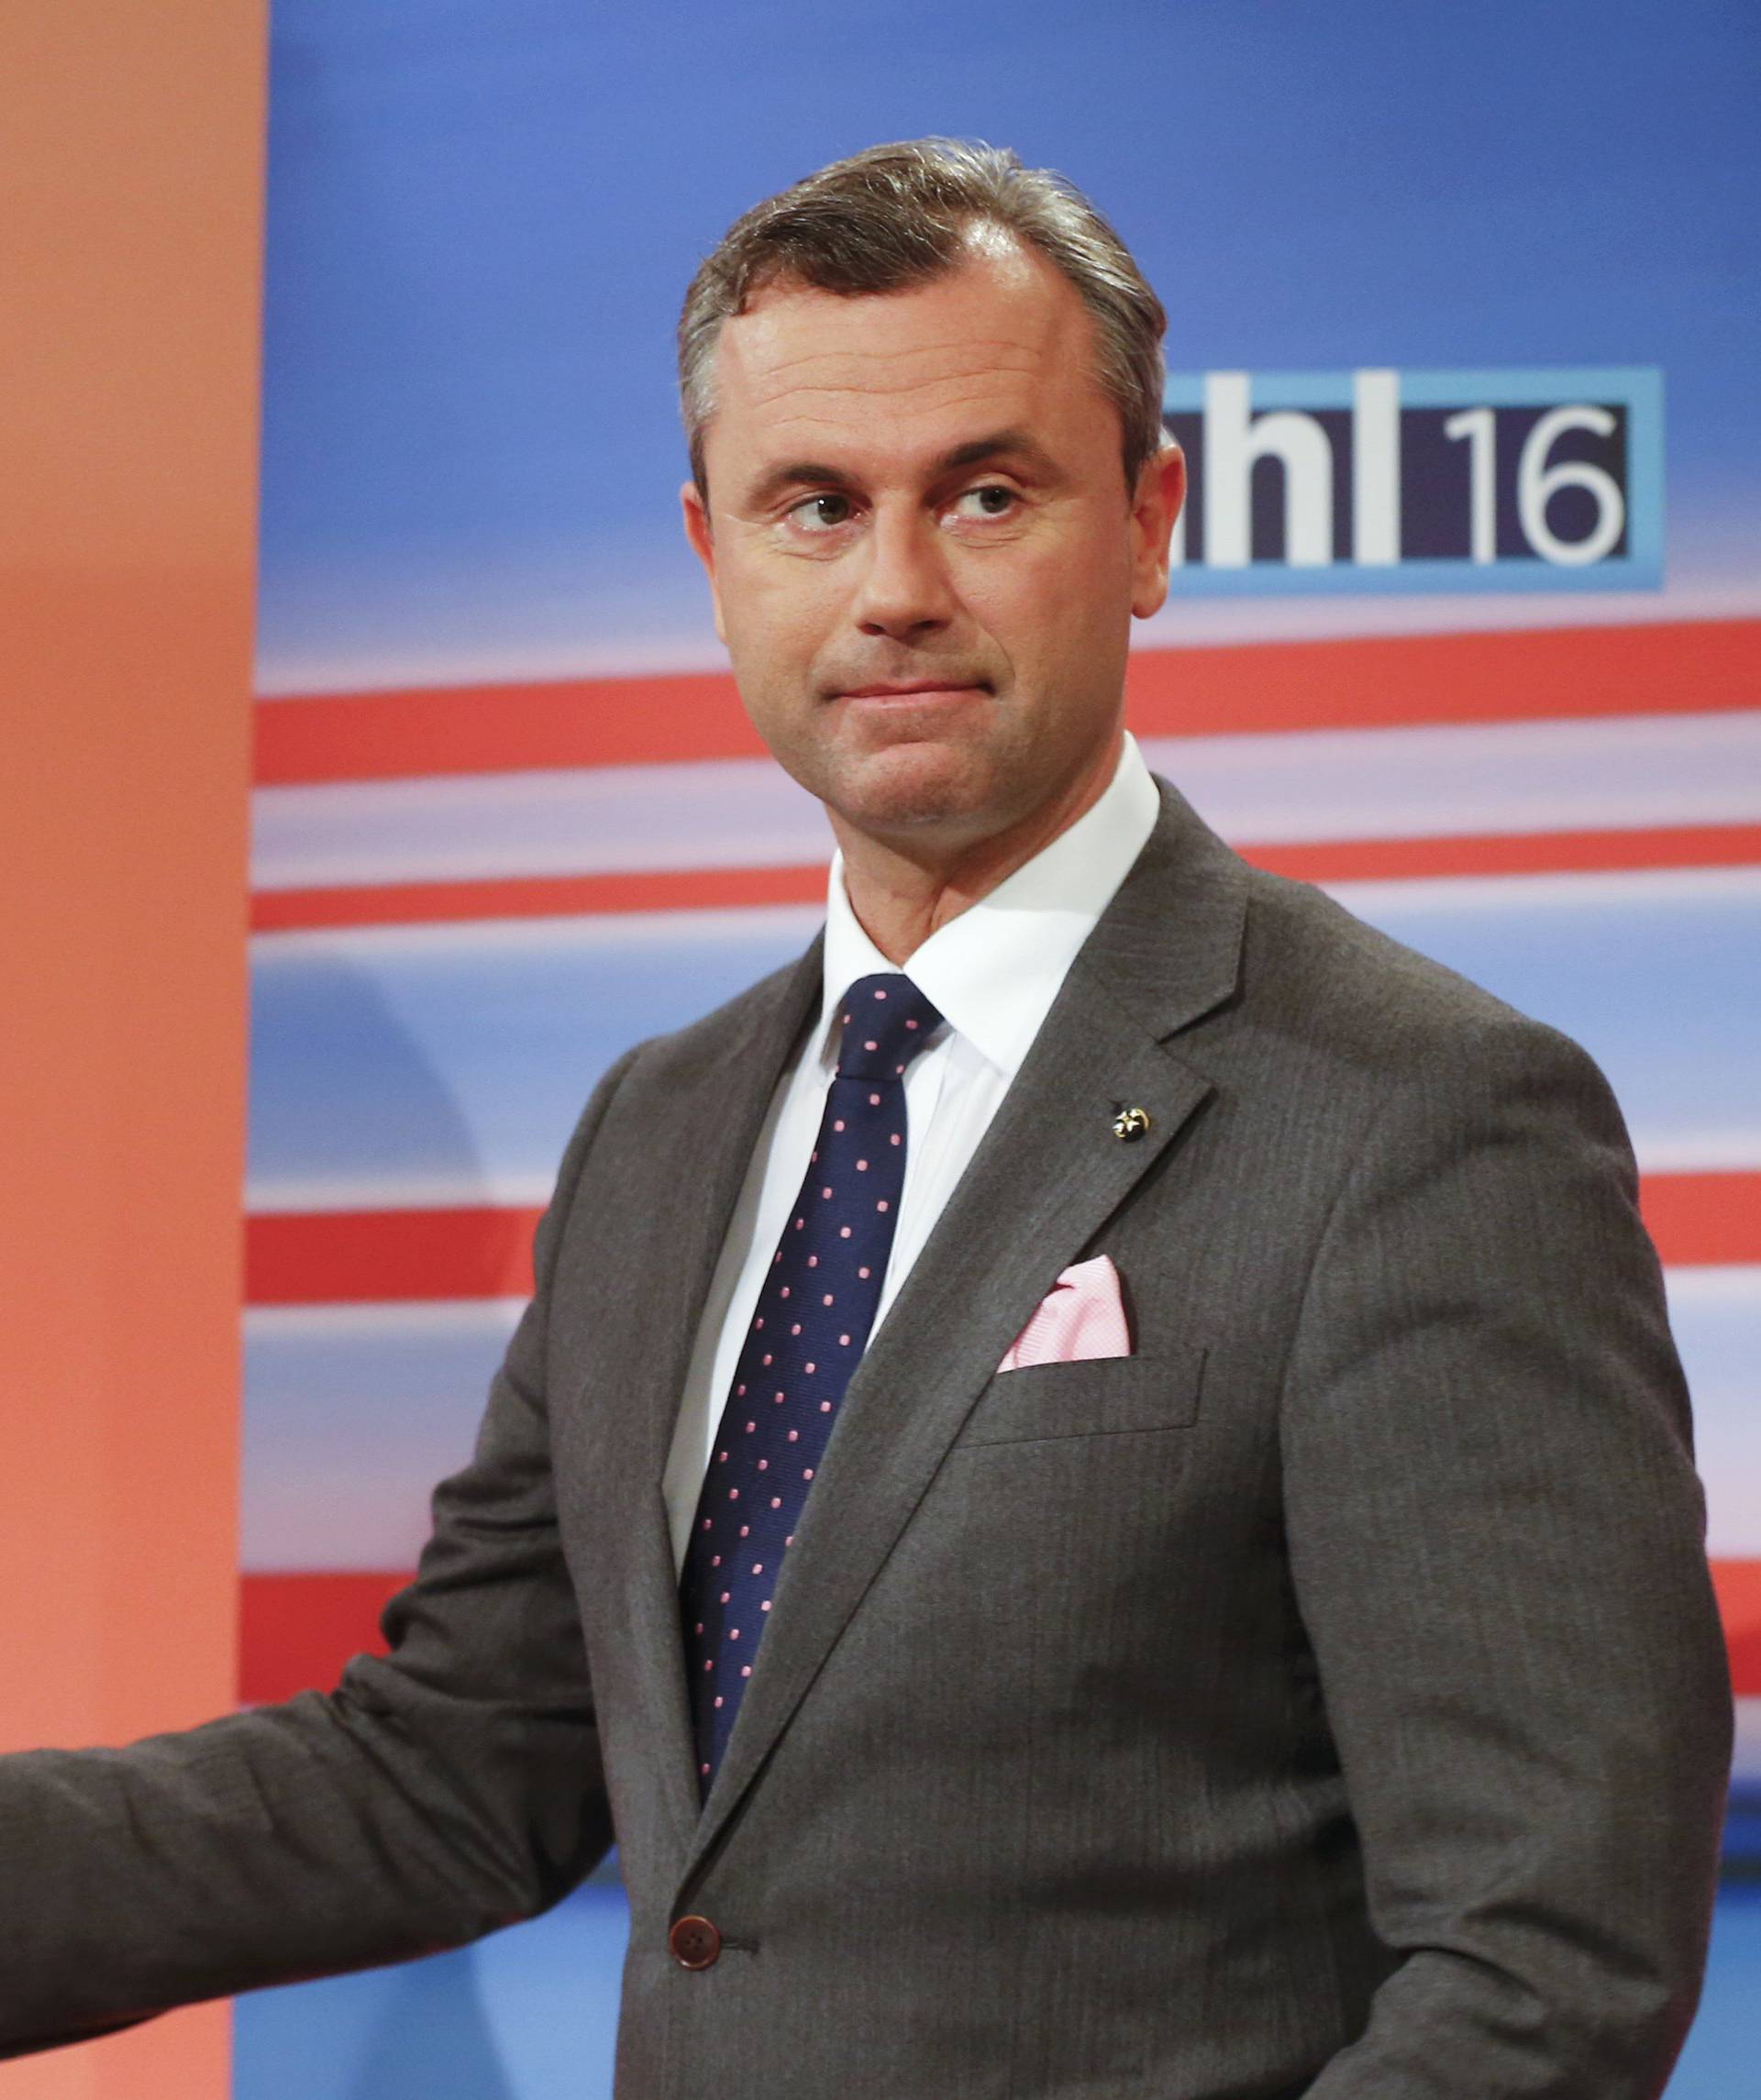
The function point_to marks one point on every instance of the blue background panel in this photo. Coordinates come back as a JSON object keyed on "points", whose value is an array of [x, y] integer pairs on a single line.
{"points": [[449, 1064]]}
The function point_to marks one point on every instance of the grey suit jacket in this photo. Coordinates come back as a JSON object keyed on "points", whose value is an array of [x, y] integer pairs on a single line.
{"points": [[1326, 1699]]}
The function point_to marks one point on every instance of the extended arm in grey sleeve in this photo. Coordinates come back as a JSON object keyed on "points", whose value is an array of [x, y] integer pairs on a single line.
{"points": [[451, 1788], [1496, 1538]]}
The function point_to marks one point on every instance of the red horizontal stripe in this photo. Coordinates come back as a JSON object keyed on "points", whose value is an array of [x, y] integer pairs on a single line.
{"points": [[295, 1632], [1738, 1584], [536, 897], [501, 728], [339, 1257], [1512, 853], [1704, 1219], [299, 1630], [1389, 680], [702, 889], [1671, 667]]}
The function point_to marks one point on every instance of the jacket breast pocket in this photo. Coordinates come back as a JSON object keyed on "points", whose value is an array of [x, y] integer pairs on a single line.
{"points": [[1105, 1396]]}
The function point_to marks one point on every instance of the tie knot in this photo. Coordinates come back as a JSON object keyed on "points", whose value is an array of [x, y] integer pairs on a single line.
{"points": [[886, 1022]]}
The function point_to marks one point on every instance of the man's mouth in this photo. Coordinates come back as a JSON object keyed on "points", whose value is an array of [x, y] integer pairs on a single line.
{"points": [[916, 689]]}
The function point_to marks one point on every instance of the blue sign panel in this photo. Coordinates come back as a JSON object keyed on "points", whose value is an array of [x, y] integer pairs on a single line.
{"points": [[1380, 479]]}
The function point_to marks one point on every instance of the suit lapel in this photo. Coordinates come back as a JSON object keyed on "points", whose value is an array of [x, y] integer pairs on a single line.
{"points": [[703, 1138], [1049, 1174]]}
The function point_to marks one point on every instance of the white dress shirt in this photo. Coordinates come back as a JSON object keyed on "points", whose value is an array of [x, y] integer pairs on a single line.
{"points": [[992, 974]]}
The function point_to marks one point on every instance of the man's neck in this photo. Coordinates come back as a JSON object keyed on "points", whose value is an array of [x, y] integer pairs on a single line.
{"points": [[902, 892]]}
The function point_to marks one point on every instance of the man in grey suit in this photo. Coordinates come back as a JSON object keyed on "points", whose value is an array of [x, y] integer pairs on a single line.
{"points": [[1315, 1689]]}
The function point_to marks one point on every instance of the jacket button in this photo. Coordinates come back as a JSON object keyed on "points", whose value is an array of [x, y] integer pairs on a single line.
{"points": [[695, 1943]]}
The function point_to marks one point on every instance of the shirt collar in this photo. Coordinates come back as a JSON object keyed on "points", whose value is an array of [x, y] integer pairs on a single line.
{"points": [[994, 971]]}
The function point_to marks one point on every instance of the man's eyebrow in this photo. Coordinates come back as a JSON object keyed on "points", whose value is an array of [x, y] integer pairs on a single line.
{"points": [[1018, 445], [998, 445], [796, 474]]}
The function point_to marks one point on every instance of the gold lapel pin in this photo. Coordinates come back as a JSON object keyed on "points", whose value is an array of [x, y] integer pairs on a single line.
{"points": [[1130, 1124]]}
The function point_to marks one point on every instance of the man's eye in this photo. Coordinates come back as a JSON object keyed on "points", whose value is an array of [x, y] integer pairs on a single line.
{"points": [[989, 501], [822, 513]]}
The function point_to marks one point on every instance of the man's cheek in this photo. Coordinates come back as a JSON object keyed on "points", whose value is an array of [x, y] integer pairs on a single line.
{"points": [[784, 617]]}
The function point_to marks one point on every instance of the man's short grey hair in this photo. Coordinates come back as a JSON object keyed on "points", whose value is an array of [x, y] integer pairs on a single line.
{"points": [[895, 217]]}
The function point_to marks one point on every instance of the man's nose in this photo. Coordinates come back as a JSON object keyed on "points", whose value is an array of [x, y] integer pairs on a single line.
{"points": [[905, 590]]}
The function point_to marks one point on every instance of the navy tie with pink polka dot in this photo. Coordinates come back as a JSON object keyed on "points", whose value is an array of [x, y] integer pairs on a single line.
{"points": [[808, 1331]]}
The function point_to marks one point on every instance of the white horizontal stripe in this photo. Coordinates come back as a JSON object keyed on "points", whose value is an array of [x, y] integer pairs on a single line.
{"points": [[1632, 890], [562, 934], [286, 1195], [1716, 1316], [273, 1324], [723, 813], [1297, 788], [1746, 1764], [1432, 781], [1717, 1289], [1732, 1147], [1716, 582]]}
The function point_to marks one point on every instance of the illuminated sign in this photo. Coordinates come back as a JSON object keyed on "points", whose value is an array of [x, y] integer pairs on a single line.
{"points": [[1380, 479]]}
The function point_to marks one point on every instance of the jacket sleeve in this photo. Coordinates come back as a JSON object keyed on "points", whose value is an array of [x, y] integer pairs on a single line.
{"points": [[1496, 1536], [434, 1796]]}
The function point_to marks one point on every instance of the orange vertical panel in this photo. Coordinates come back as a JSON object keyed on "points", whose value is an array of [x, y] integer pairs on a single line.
{"points": [[131, 153]]}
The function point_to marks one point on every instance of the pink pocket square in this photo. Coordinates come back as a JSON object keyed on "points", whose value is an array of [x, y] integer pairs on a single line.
{"points": [[1083, 1315]]}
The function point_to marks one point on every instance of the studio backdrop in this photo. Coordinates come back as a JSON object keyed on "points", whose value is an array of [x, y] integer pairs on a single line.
{"points": [[1466, 627]]}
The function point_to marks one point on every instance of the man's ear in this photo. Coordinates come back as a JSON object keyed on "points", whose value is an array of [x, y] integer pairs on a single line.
{"points": [[693, 501], [1156, 503]]}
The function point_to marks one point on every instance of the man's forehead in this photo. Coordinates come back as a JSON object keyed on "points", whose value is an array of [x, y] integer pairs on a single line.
{"points": [[990, 340], [1007, 314]]}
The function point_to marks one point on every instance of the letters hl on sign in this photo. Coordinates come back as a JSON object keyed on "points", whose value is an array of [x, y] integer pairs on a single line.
{"points": [[1420, 481]]}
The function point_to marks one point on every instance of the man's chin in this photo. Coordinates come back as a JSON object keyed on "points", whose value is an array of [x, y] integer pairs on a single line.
{"points": [[915, 789]]}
